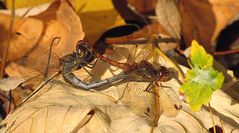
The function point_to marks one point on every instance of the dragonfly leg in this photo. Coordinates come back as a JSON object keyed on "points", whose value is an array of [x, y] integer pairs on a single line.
{"points": [[122, 94], [97, 59], [91, 66], [148, 87], [88, 72], [75, 81]]}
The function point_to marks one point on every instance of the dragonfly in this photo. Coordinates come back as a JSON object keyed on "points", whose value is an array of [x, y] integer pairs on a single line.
{"points": [[152, 99], [46, 65]]}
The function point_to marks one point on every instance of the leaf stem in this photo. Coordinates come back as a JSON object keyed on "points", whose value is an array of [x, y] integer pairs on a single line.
{"points": [[6, 45], [213, 122]]}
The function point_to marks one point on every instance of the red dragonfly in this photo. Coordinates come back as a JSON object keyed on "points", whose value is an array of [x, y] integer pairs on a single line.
{"points": [[144, 99]]}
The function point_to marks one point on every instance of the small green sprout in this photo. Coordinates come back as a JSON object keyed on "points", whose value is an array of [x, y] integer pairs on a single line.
{"points": [[202, 79]]}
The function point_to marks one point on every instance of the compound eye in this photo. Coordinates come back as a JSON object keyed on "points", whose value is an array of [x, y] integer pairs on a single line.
{"points": [[80, 53]]}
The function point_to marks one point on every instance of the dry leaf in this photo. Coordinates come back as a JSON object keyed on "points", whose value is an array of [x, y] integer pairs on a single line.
{"points": [[10, 83], [203, 20], [143, 6], [69, 112], [166, 42], [97, 17], [4, 29], [169, 17], [42, 28]]}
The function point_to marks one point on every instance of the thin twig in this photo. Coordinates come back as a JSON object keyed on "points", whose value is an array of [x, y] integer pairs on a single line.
{"points": [[6, 45], [227, 52]]}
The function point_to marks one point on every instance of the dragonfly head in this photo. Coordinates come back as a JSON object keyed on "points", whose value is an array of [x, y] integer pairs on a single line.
{"points": [[85, 52], [163, 74], [83, 55]]}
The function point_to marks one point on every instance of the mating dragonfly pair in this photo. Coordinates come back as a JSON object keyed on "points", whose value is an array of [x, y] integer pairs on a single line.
{"points": [[139, 70]]}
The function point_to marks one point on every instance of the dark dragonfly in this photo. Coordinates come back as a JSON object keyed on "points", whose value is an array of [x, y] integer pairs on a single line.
{"points": [[44, 65], [83, 56]]}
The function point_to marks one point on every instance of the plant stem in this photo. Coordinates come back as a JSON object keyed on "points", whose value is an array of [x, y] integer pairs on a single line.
{"points": [[213, 122], [6, 45]]}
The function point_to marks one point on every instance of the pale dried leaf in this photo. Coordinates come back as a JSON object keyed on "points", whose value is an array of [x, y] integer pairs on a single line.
{"points": [[10, 83], [169, 17]]}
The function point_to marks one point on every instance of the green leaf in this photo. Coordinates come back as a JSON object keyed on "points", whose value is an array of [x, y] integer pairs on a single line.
{"points": [[202, 79], [197, 95], [199, 57]]}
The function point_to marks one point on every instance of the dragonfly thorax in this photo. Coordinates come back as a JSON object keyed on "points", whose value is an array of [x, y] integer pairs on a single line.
{"points": [[70, 63]]}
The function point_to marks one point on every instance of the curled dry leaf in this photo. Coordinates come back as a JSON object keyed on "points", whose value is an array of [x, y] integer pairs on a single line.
{"points": [[43, 27], [169, 17], [203, 20]]}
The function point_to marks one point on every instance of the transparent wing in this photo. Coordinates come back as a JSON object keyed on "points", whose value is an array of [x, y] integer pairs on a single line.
{"points": [[169, 100], [33, 65], [37, 59], [141, 52], [20, 93], [140, 102]]}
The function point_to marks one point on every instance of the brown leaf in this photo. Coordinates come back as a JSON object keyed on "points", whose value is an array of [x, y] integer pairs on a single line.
{"points": [[203, 20], [169, 17], [143, 6], [59, 20]]}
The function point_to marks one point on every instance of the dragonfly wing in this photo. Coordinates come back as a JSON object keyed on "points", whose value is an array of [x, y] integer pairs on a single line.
{"points": [[144, 52], [33, 64], [140, 102], [37, 58], [26, 89], [169, 101]]}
